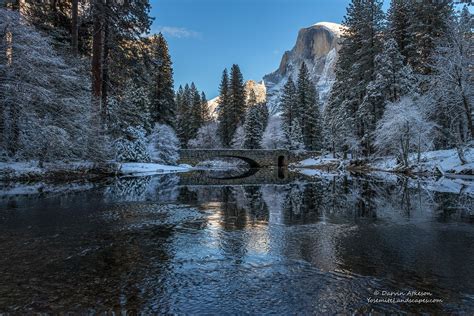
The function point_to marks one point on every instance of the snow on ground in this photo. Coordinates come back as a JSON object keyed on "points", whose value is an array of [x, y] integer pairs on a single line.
{"points": [[455, 179], [32, 170], [131, 168], [446, 160]]}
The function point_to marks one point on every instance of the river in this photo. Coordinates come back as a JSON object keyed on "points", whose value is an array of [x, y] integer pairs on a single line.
{"points": [[271, 244]]}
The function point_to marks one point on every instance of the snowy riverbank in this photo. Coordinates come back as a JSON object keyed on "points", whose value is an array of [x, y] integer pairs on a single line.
{"points": [[440, 162], [32, 170], [132, 168]]}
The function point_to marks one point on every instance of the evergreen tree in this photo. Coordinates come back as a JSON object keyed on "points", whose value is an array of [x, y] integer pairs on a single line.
{"points": [[355, 69], [312, 129], [255, 124], [392, 81], [225, 111], [132, 109], [338, 119], [132, 146], [308, 103], [163, 145], [264, 114], [195, 116], [183, 98], [205, 110], [163, 107], [274, 137], [252, 99], [239, 138], [289, 106], [398, 25], [295, 136], [428, 22], [451, 85], [237, 97]]}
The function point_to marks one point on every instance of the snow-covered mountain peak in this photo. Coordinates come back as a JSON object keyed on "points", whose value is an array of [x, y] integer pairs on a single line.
{"points": [[318, 47], [336, 28]]}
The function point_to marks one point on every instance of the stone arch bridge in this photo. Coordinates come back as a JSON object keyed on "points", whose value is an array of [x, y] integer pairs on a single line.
{"points": [[256, 158]]}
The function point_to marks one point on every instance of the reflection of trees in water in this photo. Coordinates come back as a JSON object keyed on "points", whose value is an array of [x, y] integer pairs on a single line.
{"points": [[258, 210], [162, 188], [239, 204], [339, 198], [453, 207], [365, 206]]}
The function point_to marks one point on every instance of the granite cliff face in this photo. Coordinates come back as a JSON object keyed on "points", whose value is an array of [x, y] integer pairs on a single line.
{"points": [[318, 46]]}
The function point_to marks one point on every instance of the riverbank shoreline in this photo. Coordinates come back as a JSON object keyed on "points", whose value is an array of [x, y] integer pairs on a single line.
{"points": [[435, 163], [33, 171]]}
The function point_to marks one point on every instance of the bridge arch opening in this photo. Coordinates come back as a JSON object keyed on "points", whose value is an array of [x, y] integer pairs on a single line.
{"points": [[282, 161]]}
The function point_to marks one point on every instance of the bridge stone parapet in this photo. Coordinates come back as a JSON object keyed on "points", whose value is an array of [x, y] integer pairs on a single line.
{"points": [[256, 158]]}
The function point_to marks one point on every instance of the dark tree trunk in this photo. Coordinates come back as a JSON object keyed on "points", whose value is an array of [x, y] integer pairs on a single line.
{"points": [[74, 27]]}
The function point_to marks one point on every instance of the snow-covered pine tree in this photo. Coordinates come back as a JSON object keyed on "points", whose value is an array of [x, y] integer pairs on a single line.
{"points": [[264, 115], [205, 110], [185, 98], [451, 84], [252, 99], [364, 23], [224, 109], [238, 97], [339, 130], [289, 105], [254, 126], [312, 130], [196, 119], [398, 24], [163, 145], [131, 109], [129, 122], [428, 22], [295, 137], [392, 81], [308, 103], [274, 137], [252, 129], [239, 138], [132, 146], [41, 96], [206, 137], [163, 107]]}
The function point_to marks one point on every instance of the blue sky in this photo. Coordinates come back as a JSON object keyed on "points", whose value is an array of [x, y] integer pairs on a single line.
{"points": [[205, 36]]}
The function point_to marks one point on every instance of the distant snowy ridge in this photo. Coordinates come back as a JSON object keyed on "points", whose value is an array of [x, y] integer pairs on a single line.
{"points": [[336, 28]]}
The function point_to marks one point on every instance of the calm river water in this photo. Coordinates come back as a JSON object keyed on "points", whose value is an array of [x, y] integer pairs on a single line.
{"points": [[268, 244]]}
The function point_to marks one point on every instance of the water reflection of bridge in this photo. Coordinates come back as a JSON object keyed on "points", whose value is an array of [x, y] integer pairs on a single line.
{"points": [[263, 176]]}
